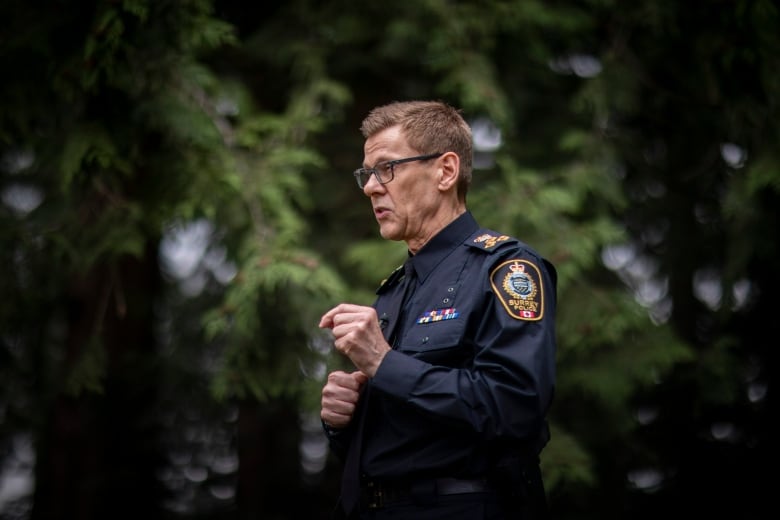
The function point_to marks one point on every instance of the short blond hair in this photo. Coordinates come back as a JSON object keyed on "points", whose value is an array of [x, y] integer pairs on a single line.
{"points": [[429, 127]]}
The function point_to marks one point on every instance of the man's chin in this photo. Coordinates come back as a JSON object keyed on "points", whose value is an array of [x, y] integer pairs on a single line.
{"points": [[388, 233]]}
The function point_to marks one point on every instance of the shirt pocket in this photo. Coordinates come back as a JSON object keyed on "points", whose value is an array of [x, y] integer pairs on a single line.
{"points": [[437, 339]]}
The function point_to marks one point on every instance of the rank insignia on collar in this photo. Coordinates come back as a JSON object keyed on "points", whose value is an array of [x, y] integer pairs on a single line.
{"points": [[518, 286], [397, 272]]}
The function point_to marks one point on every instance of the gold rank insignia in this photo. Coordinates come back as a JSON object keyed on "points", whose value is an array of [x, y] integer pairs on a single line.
{"points": [[518, 285], [395, 274], [489, 240]]}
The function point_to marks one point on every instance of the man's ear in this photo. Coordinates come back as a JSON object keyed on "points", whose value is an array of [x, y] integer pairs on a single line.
{"points": [[448, 173]]}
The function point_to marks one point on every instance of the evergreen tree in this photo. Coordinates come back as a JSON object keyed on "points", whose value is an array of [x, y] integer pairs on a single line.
{"points": [[635, 146]]}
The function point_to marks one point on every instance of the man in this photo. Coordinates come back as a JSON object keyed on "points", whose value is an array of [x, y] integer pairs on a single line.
{"points": [[445, 415]]}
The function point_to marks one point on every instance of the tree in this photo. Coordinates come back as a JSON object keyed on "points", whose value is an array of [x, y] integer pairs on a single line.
{"points": [[637, 150], [113, 135]]}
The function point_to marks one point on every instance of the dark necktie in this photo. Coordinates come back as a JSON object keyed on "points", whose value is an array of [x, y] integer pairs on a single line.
{"points": [[350, 479]]}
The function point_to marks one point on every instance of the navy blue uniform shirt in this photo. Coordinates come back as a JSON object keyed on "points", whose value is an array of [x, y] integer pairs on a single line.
{"points": [[472, 369]]}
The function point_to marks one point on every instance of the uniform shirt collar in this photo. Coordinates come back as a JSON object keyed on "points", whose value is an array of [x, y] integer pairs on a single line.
{"points": [[442, 244]]}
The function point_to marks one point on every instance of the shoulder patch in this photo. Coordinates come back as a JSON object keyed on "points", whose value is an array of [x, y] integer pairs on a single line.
{"points": [[518, 285], [488, 240]]}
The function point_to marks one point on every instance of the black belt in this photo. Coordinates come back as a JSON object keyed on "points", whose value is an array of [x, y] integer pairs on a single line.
{"points": [[377, 494]]}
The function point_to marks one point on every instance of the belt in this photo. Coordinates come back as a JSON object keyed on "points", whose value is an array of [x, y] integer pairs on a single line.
{"points": [[376, 494]]}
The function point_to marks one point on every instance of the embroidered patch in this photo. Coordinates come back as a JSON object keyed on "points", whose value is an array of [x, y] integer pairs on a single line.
{"points": [[438, 315], [487, 240], [517, 283]]}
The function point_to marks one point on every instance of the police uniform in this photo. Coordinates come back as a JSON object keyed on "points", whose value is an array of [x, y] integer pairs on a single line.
{"points": [[456, 411]]}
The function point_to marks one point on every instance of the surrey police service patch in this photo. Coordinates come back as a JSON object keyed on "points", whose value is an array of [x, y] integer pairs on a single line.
{"points": [[518, 285]]}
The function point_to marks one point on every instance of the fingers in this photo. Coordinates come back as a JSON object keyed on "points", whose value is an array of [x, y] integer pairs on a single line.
{"points": [[347, 380], [327, 319], [357, 335], [345, 313], [360, 377], [340, 396], [355, 321]]}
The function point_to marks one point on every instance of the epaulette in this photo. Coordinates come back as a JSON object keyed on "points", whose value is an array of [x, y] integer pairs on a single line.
{"points": [[488, 240], [390, 280]]}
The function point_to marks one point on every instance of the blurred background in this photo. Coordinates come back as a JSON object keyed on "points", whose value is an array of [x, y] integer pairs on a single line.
{"points": [[177, 210]]}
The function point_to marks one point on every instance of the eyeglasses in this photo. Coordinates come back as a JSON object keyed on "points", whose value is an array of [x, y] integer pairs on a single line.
{"points": [[384, 171]]}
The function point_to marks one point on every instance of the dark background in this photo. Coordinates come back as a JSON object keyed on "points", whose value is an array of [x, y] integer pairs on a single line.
{"points": [[178, 211]]}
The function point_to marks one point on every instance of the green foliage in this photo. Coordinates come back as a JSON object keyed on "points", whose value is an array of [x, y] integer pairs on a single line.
{"points": [[609, 369], [719, 375], [567, 462], [373, 260], [555, 213], [86, 148], [276, 270], [128, 142], [138, 115], [88, 372]]}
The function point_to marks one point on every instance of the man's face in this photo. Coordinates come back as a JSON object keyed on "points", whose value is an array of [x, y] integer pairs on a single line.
{"points": [[406, 207]]}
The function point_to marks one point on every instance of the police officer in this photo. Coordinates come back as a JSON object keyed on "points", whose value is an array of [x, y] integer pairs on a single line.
{"points": [[445, 414]]}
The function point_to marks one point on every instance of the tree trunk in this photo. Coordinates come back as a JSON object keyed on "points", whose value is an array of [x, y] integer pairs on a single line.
{"points": [[98, 453]]}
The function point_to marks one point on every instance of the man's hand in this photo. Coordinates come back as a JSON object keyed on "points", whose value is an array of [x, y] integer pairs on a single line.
{"points": [[340, 396], [357, 335]]}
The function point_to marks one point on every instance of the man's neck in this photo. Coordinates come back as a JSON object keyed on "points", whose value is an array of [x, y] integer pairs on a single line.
{"points": [[441, 222]]}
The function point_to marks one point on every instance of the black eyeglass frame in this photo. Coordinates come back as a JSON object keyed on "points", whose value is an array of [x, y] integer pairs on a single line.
{"points": [[362, 175]]}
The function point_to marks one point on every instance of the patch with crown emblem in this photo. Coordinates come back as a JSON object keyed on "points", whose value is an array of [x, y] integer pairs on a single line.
{"points": [[518, 285]]}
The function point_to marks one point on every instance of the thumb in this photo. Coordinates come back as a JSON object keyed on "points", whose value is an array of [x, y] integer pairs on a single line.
{"points": [[360, 377]]}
